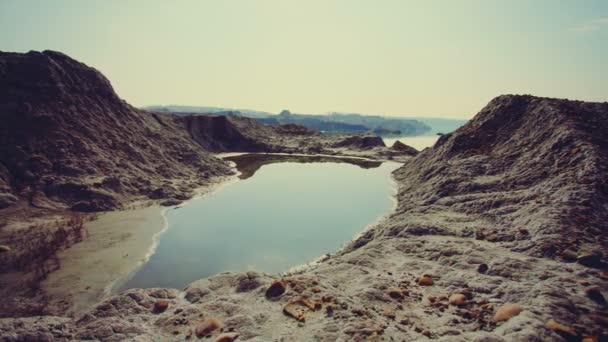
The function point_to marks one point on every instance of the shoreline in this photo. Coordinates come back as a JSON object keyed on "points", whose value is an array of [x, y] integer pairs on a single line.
{"points": [[111, 236], [118, 244], [380, 219], [201, 192]]}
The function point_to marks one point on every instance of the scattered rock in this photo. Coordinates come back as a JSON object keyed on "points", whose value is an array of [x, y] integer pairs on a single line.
{"points": [[160, 306], [395, 293], [5, 248], [276, 289], [297, 309], [248, 282], [590, 259], [207, 327], [458, 299], [425, 280], [227, 337], [507, 311], [560, 328], [482, 268]]}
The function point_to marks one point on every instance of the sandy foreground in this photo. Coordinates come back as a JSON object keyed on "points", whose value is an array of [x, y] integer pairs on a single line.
{"points": [[118, 244]]}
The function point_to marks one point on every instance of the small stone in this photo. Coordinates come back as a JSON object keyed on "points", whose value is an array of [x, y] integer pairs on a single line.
{"points": [[458, 299], [5, 248], [207, 327], [276, 289], [395, 293], [227, 337], [590, 259], [560, 328], [425, 280], [595, 294], [297, 309], [482, 268], [160, 306], [507, 311]]}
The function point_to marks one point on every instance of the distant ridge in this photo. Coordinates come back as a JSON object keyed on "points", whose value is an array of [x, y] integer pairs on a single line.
{"points": [[331, 122]]}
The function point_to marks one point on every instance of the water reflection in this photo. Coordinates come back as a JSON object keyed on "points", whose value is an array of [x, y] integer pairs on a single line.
{"points": [[248, 164], [291, 211]]}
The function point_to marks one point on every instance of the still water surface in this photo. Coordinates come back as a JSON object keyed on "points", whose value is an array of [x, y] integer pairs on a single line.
{"points": [[281, 214]]}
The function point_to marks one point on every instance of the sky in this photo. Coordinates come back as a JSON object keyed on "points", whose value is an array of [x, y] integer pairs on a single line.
{"points": [[386, 57]]}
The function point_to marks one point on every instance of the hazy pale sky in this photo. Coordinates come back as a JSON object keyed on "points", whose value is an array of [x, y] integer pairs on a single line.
{"points": [[398, 58]]}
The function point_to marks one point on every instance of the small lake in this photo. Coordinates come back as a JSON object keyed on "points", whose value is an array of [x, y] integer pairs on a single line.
{"points": [[285, 211]]}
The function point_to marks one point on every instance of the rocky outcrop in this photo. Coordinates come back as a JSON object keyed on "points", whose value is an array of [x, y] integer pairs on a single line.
{"points": [[403, 148], [67, 136], [527, 172], [228, 133], [361, 142]]}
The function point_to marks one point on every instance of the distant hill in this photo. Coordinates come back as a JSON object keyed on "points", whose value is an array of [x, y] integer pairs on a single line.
{"points": [[441, 125], [332, 122], [187, 110]]}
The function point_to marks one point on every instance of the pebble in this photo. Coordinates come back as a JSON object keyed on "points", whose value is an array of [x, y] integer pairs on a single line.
{"points": [[559, 328], [482, 268], [458, 299], [207, 327], [395, 293], [507, 311], [425, 280], [227, 337], [276, 289], [161, 305]]}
